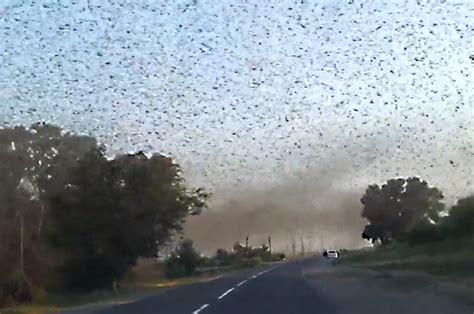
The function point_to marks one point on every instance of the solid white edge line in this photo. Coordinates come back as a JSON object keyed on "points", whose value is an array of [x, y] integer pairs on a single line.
{"points": [[201, 308], [226, 293]]}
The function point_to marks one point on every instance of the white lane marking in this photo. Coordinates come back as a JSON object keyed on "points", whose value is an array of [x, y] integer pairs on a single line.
{"points": [[254, 276], [201, 308], [226, 293], [241, 283]]}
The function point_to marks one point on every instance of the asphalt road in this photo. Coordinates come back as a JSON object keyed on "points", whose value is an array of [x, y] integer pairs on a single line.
{"points": [[297, 287]]}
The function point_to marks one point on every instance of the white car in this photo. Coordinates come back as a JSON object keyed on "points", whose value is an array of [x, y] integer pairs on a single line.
{"points": [[331, 254]]}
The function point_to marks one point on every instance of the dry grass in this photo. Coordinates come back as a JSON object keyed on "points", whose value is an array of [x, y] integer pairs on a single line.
{"points": [[147, 277], [444, 258]]}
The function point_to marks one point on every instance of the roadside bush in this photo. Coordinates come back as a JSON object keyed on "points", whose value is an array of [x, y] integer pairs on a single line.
{"points": [[174, 269], [208, 262], [183, 262], [15, 291], [423, 232], [7, 292], [227, 259], [25, 291], [281, 256], [460, 222], [276, 257], [251, 262]]}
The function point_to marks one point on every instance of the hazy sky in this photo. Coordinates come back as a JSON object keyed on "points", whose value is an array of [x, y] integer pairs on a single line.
{"points": [[248, 94]]}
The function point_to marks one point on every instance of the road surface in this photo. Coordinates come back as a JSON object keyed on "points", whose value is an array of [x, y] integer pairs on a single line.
{"points": [[297, 287]]}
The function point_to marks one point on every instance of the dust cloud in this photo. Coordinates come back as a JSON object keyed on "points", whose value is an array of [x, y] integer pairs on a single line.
{"points": [[319, 205], [315, 209]]}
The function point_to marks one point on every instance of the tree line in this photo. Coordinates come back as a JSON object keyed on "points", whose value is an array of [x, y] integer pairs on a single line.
{"points": [[409, 210], [186, 261], [72, 219]]}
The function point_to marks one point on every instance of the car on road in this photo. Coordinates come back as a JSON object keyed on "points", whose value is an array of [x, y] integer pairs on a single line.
{"points": [[331, 253]]}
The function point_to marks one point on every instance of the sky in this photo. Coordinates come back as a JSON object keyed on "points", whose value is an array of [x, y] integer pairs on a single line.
{"points": [[255, 99]]}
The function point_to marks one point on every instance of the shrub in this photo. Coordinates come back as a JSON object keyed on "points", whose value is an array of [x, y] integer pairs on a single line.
{"points": [[276, 257], [460, 222], [251, 262], [227, 259], [25, 291], [19, 290], [281, 256], [423, 232], [174, 269], [183, 261]]}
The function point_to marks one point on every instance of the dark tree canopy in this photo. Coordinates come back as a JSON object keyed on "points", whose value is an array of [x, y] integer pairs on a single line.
{"points": [[114, 211], [32, 160], [41, 153], [83, 215], [397, 206], [460, 222]]}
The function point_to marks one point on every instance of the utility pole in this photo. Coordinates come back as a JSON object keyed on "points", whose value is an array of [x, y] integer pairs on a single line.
{"points": [[27, 189], [302, 246], [293, 246], [270, 244], [40, 223], [22, 249], [246, 246]]}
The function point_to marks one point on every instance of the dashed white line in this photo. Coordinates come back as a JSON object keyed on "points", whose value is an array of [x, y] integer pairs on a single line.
{"points": [[201, 308], [232, 289], [241, 283], [226, 293]]}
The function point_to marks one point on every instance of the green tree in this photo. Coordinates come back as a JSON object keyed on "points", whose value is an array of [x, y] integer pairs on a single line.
{"points": [[460, 221], [397, 206], [183, 261], [31, 161], [423, 232], [113, 211]]}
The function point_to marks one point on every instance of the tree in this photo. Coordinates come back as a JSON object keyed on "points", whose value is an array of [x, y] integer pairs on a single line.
{"points": [[423, 232], [459, 224], [68, 214], [397, 206], [460, 221], [183, 261], [373, 232], [40, 156], [16, 196], [113, 211], [221, 254], [31, 161]]}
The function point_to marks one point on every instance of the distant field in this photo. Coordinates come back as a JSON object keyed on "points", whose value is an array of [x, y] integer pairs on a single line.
{"points": [[445, 258]]}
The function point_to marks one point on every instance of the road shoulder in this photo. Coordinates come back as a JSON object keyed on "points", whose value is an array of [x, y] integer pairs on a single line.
{"points": [[365, 290]]}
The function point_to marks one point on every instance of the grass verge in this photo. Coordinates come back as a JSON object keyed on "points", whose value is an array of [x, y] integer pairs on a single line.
{"points": [[444, 258], [146, 278]]}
